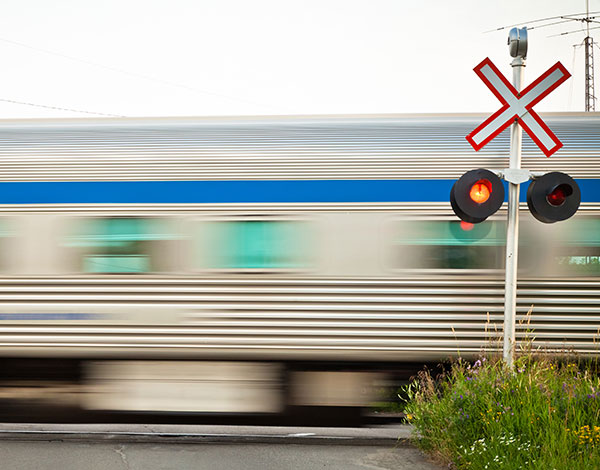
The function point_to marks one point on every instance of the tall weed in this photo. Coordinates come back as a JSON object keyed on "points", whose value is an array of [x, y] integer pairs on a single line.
{"points": [[542, 414]]}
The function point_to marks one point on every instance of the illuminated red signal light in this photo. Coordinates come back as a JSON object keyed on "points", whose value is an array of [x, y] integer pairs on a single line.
{"points": [[476, 195], [481, 191]]}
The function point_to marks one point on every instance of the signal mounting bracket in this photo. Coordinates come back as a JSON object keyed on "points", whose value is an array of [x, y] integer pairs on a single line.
{"points": [[516, 175]]}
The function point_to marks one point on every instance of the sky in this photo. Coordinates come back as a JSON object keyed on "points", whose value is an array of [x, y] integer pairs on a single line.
{"points": [[272, 57]]}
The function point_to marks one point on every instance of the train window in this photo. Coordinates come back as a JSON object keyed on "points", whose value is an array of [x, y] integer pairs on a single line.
{"points": [[578, 247], [254, 244], [444, 244], [117, 244]]}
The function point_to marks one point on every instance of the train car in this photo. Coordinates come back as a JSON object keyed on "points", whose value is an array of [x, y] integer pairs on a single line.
{"points": [[254, 265]]}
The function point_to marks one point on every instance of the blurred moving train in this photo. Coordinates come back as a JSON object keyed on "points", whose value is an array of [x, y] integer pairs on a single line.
{"points": [[250, 265]]}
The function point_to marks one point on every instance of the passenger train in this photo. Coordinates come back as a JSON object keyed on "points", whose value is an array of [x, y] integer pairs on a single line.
{"points": [[257, 264]]}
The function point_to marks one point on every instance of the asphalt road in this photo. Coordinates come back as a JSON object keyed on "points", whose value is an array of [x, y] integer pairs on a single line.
{"points": [[30, 446], [74, 455]]}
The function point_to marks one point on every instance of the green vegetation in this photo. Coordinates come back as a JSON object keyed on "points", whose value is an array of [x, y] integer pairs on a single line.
{"points": [[543, 414]]}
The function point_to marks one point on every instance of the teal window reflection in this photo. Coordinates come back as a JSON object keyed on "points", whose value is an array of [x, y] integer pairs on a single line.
{"points": [[579, 247], [442, 244], [118, 244], [256, 244]]}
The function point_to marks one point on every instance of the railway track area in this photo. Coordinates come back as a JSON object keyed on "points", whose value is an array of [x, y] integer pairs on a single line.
{"points": [[56, 402]]}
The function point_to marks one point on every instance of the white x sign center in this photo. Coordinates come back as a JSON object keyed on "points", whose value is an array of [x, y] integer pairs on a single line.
{"points": [[518, 106]]}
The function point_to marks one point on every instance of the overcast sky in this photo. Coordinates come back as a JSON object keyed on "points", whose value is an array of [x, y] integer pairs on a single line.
{"points": [[235, 57]]}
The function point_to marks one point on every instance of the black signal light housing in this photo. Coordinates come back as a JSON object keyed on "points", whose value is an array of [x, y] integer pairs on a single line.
{"points": [[553, 197], [477, 195]]}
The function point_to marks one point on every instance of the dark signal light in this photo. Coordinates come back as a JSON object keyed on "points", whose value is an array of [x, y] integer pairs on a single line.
{"points": [[553, 197], [559, 195], [477, 195]]}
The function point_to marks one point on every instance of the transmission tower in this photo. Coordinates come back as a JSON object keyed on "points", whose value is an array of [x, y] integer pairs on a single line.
{"points": [[588, 43], [590, 97]]}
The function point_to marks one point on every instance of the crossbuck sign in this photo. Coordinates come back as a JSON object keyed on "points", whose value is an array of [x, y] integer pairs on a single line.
{"points": [[518, 107]]}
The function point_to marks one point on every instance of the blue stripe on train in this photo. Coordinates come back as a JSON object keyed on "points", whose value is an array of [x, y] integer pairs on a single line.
{"points": [[242, 191]]}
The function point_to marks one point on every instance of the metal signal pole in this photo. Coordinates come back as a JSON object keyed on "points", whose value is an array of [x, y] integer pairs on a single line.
{"points": [[517, 41]]}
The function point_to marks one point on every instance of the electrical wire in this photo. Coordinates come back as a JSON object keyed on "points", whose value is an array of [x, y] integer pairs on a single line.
{"points": [[142, 76], [542, 19], [574, 31], [6, 100], [570, 102], [550, 24]]}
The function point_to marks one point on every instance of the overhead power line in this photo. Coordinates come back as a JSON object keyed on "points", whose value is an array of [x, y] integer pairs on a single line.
{"points": [[6, 100], [542, 19], [565, 20], [142, 76], [574, 31]]}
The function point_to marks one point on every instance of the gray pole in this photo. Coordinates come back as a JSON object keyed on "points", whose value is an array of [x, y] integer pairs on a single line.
{"points": [[512, 229]]}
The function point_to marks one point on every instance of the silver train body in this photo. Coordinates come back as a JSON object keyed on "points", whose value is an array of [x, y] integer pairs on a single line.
{"points": [[249, 290]]}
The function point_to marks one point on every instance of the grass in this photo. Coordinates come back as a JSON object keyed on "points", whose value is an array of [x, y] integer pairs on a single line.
{"points": [[543, 414]]}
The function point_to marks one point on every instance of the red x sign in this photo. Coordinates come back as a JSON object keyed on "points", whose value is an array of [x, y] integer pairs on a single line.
{"points": [[518, 107]]}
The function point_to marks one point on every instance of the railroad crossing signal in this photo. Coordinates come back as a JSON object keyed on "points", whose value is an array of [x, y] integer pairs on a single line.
{"points": [[477, 195], [553, 197], [518, 106]]}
